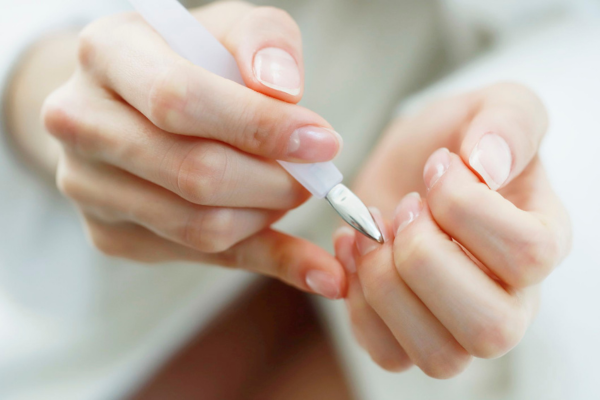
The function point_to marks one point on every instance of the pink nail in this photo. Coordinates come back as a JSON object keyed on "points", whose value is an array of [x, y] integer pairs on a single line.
{"points": [[345, 254], [436, 166], [323, 283], [313, 143], [407, 211], [366, 245], [278, 70], [492, 160]]}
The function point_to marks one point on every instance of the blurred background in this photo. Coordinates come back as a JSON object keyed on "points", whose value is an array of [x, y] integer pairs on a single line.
{"points": [[75, 324]]}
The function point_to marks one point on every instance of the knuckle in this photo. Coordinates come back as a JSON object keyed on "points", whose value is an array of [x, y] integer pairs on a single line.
{"points": [[498, 334], [93, 37], [446, 362], [168, 96], [66, 180], [535, 257], [87, 44], [391, 362], [450, 200], [412, 254], [59, 118], [260, 127], [201, 173], [105, 241], [376, 281], [210, 231]]}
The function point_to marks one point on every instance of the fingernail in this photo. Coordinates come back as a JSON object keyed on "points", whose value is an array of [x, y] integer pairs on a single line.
{"points": [[323, 283], [366, 245], [314, 143], [345, 252], [492, 160], [278, 70], [407, 211], [436, 166]]}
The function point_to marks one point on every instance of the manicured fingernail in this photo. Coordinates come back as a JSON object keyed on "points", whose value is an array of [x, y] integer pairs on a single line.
{"points": [[436, 166], [313, 143], [366, 245], [278, 70], [492, 160], [323, 283], [345, 254], [407, 211]]}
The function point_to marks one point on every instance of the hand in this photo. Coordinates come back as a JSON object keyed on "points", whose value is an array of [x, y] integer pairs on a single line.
{"points": [[459, 273], [167, 161]]}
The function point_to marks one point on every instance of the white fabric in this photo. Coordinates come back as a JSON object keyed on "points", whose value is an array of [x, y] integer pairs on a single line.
{"points": [[76, 325]]}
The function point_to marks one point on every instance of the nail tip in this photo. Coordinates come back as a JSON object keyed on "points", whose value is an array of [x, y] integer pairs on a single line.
{"points": [[342, 231], [340, 140], [291, 92], [322, 283], [492, 150], [313, 143], [277, 69]]}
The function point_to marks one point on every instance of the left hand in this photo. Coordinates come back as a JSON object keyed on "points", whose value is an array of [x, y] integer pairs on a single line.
{"points": [[459, 273]]}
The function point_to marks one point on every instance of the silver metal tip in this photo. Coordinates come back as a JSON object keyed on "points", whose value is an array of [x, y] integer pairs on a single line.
{"points": [[354, 212]]}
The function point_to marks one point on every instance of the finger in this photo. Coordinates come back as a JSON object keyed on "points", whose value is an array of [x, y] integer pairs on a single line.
{"points": [[272, 253], [267, 45], [115, 195], [134, 242], [296, 261], [201, 171], [370, 331], [128, 57], [481, 315], [505, 133], [520, 246], [426, 341]]}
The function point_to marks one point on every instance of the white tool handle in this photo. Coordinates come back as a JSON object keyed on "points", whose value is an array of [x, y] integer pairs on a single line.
{"points": [[191, 40]]}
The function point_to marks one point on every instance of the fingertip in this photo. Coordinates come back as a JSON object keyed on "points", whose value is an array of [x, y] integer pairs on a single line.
{"points": [[343, 240], [450, 173], [267, 45], [342, 232], [407, 211], [324, 283], [278, 74], [491, 159], [436, 166], [366, 245]]}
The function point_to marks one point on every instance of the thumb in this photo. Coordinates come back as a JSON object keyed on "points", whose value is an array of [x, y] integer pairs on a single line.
{"points": [[266, 44], [504, 134]]}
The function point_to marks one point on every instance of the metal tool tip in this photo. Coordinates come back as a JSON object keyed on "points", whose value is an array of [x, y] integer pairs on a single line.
{"points": [[354, 212]]}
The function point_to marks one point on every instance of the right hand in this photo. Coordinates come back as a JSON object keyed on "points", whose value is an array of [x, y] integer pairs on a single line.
{"points": [[167, 161]]}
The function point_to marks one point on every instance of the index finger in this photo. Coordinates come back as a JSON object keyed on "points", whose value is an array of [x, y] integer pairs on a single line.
{"points": [[128, 57]]}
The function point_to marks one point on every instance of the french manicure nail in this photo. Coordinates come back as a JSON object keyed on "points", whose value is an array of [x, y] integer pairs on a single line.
{"points": [[323, 283], [366, 245], [345, 254], [492, 160], [278, 70], [436, 166], [407, 211], [314, 143]]}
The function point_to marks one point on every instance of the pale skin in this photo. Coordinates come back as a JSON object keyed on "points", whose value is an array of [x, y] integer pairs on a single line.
{"points": [[459, 274], [166, 161]]}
